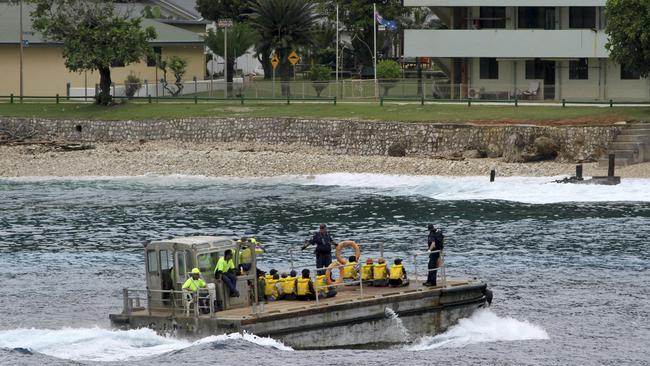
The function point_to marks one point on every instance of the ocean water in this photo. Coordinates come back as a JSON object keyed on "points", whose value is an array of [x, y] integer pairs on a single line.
{"points": [[569, 264]]}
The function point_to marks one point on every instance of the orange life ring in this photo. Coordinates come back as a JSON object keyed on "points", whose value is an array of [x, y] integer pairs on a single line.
{"points": [[328, 274], [345, 244]]}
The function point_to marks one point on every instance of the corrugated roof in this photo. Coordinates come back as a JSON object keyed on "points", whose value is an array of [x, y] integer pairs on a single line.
{"points": [[10, 29]]}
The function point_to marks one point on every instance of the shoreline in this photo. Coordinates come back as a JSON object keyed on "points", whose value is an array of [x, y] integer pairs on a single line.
{"points": [[170, 157]]}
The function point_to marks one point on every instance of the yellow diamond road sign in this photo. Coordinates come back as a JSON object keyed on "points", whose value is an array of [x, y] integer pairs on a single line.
{"points": [[293, 57], [275, 61]]}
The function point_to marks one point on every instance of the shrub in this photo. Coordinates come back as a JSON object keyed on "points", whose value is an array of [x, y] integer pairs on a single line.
{"points": [[387, 72], [320, 77], [131, 85]]}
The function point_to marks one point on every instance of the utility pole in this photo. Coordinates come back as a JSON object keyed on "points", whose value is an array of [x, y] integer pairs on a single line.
{"points": [[21, 50], [337, 50]]}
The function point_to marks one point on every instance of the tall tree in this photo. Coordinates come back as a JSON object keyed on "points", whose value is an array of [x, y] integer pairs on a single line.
{"points": [[241, 38], [284, 26], [628, 27], [94, 36]]}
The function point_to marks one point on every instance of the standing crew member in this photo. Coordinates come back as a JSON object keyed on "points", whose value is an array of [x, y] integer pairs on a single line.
{"points": [[324, 243], [397, 276], [435, 242], [304, 287], [226, 269]]}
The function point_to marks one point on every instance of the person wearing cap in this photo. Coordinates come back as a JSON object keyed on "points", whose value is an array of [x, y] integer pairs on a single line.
{"points": [[195, 282], [435, 243], [366, 272], [324, 244], [225, 270], [397, 274], [380, 273], [305, 287]]}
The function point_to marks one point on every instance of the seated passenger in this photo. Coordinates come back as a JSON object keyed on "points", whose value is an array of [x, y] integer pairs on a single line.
{"points": [[225, 270], [351, 270], [321, 283], [380, 273], [366, 272], [305, 287], [272, 273], [271, 288], [193, 285], [288, 284], [397, 275]]}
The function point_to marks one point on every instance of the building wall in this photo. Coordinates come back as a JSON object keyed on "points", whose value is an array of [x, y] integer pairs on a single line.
{"points": [[45, 73]]}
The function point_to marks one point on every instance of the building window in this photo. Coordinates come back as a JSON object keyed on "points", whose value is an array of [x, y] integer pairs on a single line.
{"points": [[582, 17], [151, 60], [579, 70], [534, 69], [489, 68], [627, 73], [492, 17], [536, 17]]}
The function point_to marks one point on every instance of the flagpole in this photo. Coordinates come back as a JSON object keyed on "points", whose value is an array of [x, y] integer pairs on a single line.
{"points": [[374, 32], [337, 50]]}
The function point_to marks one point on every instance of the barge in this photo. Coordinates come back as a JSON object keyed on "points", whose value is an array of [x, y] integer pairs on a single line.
{"points": [[358, 316]]}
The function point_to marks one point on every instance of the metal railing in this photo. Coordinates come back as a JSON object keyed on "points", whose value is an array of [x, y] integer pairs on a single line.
{"points": [[178, 302]]}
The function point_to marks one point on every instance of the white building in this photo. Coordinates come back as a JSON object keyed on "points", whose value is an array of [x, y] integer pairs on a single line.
{"points": [[497, 49]]}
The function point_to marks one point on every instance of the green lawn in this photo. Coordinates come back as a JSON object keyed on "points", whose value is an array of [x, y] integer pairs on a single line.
{"points": [[361, 111]]}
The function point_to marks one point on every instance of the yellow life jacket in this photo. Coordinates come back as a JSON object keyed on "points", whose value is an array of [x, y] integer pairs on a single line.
{"points": [[379, 271], [321, 282], [288, 285], [268, 277], [366, 272], [396, 272], [349, 271], [270, 289], [302, 286]]}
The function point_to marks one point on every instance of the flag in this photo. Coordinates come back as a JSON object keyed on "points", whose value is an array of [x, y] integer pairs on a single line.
{"points": [[388, 24]]}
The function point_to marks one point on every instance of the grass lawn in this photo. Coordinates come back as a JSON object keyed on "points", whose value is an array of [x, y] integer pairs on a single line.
{"points": [[545, 115]]}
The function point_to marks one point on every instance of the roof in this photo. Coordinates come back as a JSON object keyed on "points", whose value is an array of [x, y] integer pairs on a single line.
{"points": [[10, 34], [186, 8], [196, 242]]}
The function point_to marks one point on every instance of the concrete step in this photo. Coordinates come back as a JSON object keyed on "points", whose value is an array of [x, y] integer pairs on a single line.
{"points": [[632, 138]]}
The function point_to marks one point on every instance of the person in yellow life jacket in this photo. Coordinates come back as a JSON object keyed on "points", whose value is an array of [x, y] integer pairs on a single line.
{"points": [[397, 274], [225, 270], [271, 288], [380, 273], [288, 285], [351, 270], [246, 254], [366, 272], [321, 284], [305, 287], [195, 282]]}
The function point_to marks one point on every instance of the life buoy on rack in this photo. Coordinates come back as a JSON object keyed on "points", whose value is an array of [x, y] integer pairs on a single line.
{"points": [[345, 244], [328, 273]]}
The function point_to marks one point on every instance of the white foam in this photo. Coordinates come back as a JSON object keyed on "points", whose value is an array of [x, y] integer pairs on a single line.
{"points": [[483, 326], [96, 344]]}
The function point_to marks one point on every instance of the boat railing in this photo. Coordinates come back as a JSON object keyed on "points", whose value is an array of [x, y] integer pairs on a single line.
{"points": [[378, 245], [176, 302], [441, 267]]}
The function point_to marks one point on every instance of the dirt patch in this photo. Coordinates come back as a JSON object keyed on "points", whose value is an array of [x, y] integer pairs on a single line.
{"points": [[236, 109]]}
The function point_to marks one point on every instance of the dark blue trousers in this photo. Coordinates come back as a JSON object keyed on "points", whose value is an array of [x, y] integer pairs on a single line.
{"points": [[433, 263], [230, 280], [323, 259]]}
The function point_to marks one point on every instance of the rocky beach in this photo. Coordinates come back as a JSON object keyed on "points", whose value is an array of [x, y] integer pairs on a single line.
{"points": [[260, 160]]}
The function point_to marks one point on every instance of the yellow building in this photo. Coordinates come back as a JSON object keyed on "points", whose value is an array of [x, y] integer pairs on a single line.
{"points": [[44, 71]]}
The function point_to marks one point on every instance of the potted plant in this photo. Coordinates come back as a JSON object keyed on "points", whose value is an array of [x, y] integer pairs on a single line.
{"points": [[388, 71], [320, 77]]}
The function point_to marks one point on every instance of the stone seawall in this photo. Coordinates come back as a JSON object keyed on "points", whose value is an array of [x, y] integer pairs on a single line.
{"points": [[579, 143]]}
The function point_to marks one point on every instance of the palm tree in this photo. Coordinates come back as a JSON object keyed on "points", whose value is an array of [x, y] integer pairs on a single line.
{"points": [[241, 38], [284, 25]]}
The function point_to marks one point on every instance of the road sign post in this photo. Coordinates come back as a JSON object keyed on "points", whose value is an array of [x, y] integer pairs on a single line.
{"points": [[293, 58], [275, 60]]}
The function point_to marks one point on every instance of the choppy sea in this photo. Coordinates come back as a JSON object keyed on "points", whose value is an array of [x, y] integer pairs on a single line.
{"points": [[569, 264]]}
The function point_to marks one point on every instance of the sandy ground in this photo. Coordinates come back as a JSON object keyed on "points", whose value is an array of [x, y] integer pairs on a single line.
{"points": [[171, 157]]}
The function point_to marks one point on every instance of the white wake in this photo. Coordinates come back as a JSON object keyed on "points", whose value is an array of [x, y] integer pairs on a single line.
{"points": [[96, 344], [483, 326]]}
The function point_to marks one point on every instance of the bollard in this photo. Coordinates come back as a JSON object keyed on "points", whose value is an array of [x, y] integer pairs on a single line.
{"points": [[579, 171], [563, 103], [67, 90], [149, 98], [493, 174], [611, 103], [335, 100], [422, 100], [11, 98], [57, 99], [469, 102], [381, 101], [288, 99], [196, 99], [241, 97], [516, 102], [611, 165]]}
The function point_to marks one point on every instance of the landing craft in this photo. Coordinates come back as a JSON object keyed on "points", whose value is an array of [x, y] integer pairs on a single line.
{"points": [[358, 316]]}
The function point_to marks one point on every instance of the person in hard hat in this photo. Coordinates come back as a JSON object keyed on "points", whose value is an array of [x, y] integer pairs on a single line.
{"points": [[195, 282], [380, 273], [305, 287], [351, 270], [288, 285], [366, 272], [246, 254], [225, 270], [397, 274]]}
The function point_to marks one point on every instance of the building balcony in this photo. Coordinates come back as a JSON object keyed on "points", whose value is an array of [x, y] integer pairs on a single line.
{"points": [[461, 3], [506, 43]]}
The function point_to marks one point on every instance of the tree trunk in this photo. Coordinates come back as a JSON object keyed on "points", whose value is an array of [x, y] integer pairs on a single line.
{"points": [[265, 59], [231, 69], [104, 96], [285, 72]]}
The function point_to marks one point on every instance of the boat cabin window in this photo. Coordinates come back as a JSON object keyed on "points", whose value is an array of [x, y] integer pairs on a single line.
{"points": [[166, 260], [208, 261], [152, 261]]}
